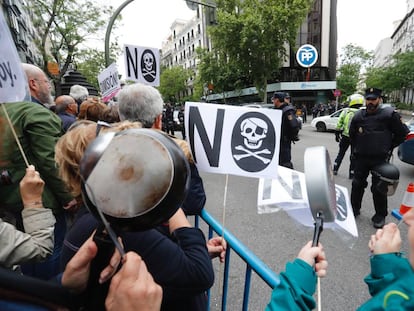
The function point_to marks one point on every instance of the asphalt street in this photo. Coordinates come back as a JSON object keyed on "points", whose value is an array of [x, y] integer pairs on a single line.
{"points": [[276, 239]]}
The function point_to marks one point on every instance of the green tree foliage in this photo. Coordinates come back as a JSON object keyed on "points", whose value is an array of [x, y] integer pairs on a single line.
{"points": [[354, 62], [64, 26], [217, 73], [252, 35], [400, 74], [173, 83], [90, 62]]}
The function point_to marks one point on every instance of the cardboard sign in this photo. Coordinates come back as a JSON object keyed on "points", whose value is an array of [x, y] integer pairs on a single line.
{"points": [[142, 64], [109, 82], [13, 81], [234, 140]]}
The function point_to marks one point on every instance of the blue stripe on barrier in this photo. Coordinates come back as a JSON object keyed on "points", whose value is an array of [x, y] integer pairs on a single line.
{"points": [[253, 263], [396, 213]]}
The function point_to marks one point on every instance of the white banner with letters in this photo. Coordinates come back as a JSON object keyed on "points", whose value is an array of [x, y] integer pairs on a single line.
{"points": [[234, 140], [142, 64], [13, 81], [288, 192]]}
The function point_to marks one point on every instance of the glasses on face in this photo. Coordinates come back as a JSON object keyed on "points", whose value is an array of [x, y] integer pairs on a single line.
{"points": [[43, 80]]}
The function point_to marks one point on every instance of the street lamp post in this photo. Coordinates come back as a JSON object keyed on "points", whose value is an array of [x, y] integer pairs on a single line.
{"points": [[109, 29]]}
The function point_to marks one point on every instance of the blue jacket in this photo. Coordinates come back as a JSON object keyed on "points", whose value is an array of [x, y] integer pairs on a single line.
{"points": [[180, 264]]}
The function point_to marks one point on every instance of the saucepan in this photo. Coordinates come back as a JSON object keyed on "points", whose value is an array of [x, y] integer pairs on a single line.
{"points": [[137, 178]]}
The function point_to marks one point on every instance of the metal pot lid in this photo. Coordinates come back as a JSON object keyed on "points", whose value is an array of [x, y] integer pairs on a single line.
{"points": [[132, 176], [320, 184]]}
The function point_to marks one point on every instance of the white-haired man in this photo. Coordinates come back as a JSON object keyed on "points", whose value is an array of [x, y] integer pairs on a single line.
{"points": [[143, 103]]}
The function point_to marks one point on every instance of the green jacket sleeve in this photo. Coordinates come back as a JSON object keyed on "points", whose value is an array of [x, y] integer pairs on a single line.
{"points": [[295, 290], [43, 130], [385, 270]]}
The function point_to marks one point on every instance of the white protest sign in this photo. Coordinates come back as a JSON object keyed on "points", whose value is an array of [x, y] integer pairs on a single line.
{"points": [[234, 140], [109, 82], [13, 81], [142, 64], [288, 192]]}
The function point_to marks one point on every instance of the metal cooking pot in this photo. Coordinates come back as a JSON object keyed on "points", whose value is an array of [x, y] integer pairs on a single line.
{"points": [[138, 178]]}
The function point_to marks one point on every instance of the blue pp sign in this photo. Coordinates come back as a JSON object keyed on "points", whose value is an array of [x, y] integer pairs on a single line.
{"points": [[307, 55]]}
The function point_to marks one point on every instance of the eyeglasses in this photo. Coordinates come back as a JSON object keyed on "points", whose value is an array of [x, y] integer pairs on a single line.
{"points": [[43, 80]]}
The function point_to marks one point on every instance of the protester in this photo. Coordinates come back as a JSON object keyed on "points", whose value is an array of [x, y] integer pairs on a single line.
{"points": [[298, 282], [143, 103], [374, 133], [289, 130], [92, 109], [131, 289], [39, 85], [66, 109], [17, 247], [38, 130], [179, 261], [389, 283]]}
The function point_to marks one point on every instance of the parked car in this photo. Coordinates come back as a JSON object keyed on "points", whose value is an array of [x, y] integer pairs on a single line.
{"points": [[326, 123], [406, 149], [269, 106]]}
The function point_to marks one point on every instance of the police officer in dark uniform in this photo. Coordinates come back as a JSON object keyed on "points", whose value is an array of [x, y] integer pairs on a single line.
{"points": [[374, 132], [181, 119], [289, 129]]}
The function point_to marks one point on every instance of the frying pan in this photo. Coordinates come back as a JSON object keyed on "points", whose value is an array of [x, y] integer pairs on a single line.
{"points": [[320, 188], [138, 178]]}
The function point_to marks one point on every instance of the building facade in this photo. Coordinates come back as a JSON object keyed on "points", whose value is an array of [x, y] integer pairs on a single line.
{"points": [[306, 86], [184, 38], [24, 34], [403, 41]]}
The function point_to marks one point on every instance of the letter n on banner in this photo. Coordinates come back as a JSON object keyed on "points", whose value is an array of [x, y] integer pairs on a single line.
{"points": [[233, 140]]}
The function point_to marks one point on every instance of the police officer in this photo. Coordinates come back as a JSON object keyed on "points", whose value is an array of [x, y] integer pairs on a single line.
{"points": [[374, 132], [342, 132], [289, 130]]}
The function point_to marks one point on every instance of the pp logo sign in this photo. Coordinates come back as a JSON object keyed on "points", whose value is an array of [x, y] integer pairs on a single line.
{"points": [[307, 55]]}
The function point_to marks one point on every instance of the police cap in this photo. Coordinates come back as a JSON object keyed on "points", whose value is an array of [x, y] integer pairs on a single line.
{"points": [[279, 95], [372, 93]]}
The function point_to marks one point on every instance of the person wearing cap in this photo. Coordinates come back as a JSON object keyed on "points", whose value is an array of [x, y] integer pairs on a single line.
{"points": [[374, 132], [342, 132], [289, 129]]}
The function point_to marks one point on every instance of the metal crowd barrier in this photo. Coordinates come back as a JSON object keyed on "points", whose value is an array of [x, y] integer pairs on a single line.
{"points": [[253, 263]]}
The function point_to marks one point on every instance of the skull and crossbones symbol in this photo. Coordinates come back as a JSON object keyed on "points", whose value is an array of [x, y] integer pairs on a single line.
{"points": [[254, 131], [148, 59]]}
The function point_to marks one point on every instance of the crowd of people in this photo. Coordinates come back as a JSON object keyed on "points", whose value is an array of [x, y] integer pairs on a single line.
{"points": [[48, 232]]}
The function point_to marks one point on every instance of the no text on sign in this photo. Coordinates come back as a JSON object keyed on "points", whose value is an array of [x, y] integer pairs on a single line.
{"points": [[307, 55]]}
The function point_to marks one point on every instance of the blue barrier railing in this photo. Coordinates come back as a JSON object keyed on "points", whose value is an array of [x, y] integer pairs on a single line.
{"points": [[253, 263]]}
